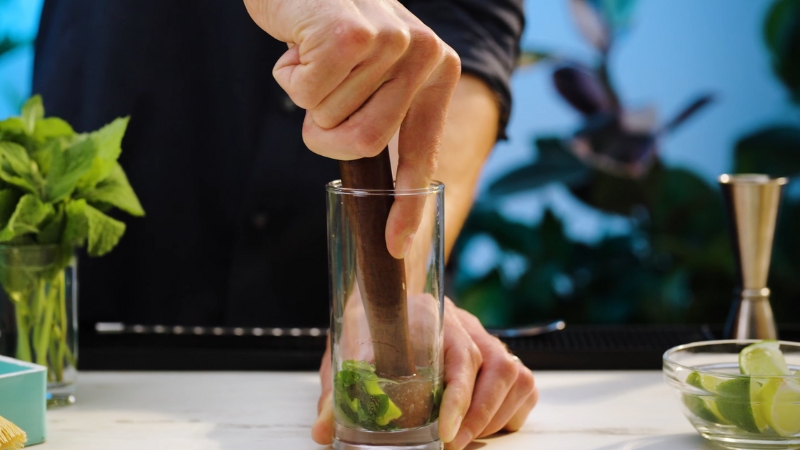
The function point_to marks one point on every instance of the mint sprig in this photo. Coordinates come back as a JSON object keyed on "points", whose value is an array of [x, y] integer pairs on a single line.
{"points": [[55, 184]]}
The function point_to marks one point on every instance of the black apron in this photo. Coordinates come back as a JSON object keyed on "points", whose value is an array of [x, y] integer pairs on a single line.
{"points": [[235, 227]]}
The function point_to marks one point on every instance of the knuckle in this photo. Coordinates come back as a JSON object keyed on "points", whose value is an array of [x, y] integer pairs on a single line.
{"points": [[475, 356], [450, 68], [507, 368], [354, 36], [394, 40], [427, 45], [526, 381]]}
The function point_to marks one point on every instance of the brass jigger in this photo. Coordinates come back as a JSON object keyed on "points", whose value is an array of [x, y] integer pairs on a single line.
{"points": [[752, 202]]}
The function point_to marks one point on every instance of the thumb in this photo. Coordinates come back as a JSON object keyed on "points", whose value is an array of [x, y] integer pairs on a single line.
{"points": [[322, 431]]}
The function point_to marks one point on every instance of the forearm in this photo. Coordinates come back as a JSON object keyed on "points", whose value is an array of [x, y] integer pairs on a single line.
{"points": [[470, 133], [469, 136]]}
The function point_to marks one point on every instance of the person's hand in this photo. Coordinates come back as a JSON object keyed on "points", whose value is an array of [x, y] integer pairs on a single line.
{"points": [[363, 69], [487, 388]]}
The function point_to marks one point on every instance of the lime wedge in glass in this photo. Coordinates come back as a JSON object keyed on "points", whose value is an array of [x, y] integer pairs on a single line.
{"points": [[780, 405], [703, 406], [763, 358]]}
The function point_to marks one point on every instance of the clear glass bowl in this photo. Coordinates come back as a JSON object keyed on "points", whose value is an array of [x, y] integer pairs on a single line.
{"points": [[733, 414]]}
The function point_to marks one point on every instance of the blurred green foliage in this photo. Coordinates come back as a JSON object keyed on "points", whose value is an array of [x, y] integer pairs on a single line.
{"points": [[676, 263]]}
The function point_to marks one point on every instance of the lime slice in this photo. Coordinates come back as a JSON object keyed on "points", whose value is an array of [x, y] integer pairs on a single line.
{"points": [[704, 406], [756, 404], [734, 404], [763, 358], [780, 405]]}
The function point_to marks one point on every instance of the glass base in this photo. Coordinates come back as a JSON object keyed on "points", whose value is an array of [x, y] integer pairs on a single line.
{"points": [[60, 394], [423, 438], [743, 443], [57, 401]]}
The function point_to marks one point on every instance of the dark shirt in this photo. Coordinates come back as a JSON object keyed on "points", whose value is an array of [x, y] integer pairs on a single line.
{"points": [[235, 226]]}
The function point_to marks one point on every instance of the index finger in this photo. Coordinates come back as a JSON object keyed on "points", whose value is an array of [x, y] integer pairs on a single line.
{"points": [[418, 148]]}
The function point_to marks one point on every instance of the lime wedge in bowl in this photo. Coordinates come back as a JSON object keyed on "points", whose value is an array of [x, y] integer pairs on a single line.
{"points": [[780, 405], [736, 405], [763, 359], [704, 407]]}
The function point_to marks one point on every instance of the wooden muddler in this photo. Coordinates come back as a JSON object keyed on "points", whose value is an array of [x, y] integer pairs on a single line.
{"points": [[381, 277]]}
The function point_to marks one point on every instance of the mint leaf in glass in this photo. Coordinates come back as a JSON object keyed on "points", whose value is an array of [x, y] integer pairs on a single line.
{"points": [[29, 213]]}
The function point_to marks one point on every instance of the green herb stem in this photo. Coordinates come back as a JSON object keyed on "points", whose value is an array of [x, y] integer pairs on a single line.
{"points": [[48, 297], [23, 340], [42, 333]]}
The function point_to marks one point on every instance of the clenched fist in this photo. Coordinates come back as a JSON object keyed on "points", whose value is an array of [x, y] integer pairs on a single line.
{"points": [[362, 69]]}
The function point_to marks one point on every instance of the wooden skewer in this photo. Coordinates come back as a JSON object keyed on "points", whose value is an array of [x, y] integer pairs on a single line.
{"points": [[381, 277]]}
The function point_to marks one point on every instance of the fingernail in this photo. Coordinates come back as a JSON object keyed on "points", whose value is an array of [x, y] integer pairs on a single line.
{"points": [[453, 430], [407, 244], [463, 438]]}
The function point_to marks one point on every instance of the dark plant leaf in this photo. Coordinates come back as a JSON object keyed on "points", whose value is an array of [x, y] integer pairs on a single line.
{"points": [[686, 207], [591, 24], [782, 35], [690, 110], [581, 89], [610, 148], [617, 194], [773, 151], [8, 44], [509, 235], [554, 163], [488, 300]]}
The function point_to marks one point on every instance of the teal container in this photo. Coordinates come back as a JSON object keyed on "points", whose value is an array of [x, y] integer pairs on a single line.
{"points": [[23, 396]]}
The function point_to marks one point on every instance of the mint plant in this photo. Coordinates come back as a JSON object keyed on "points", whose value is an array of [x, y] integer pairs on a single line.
{"points": [[56, 186]]}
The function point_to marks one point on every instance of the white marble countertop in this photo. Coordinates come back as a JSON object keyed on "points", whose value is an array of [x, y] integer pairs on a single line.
{"points": [[274, 410]]}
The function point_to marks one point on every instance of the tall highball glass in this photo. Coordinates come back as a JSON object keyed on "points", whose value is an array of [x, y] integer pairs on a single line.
{"points": [[376, 404]]}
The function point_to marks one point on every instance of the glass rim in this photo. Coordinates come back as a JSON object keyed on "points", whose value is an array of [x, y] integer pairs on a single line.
{"points": [[667, 357], [335, 187]]}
